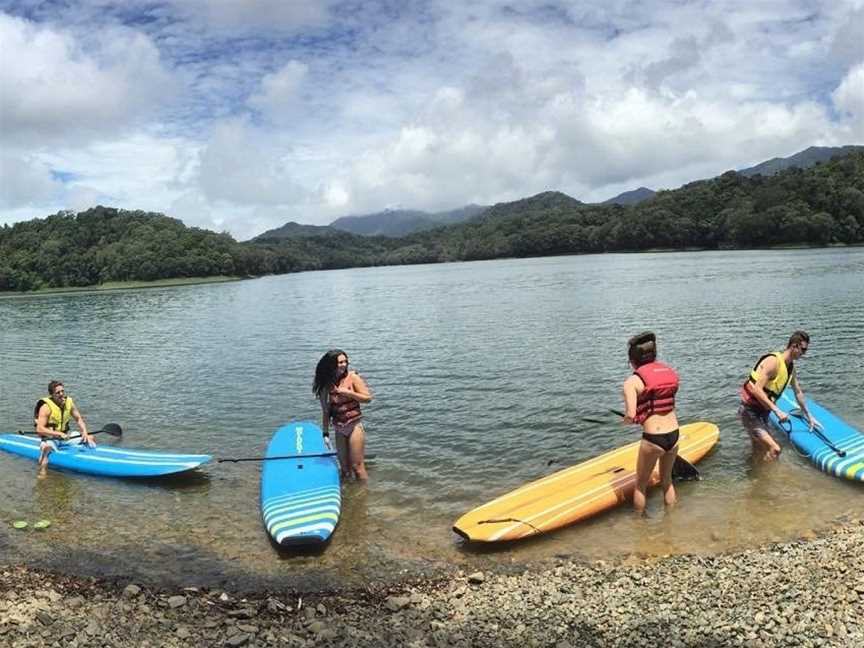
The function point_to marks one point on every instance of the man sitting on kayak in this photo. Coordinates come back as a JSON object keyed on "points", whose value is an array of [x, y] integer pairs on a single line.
{"points": [[768, 378], [52, 416]]}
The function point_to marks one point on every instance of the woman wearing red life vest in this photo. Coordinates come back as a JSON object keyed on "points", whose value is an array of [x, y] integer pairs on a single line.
{"points": [[649, 400], [340, 392]]}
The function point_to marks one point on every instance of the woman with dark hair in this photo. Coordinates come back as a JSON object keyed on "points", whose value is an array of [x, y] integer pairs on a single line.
{"points": [[649, 400], [340, 393]]}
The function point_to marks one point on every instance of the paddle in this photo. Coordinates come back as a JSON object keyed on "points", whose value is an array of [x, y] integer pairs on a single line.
{"points": [[591, 419], [111, 429], [799, 414], [329, 453], [682, 469]]}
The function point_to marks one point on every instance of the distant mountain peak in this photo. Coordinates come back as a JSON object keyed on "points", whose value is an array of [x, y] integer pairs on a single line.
{"points": [[802, 159], [294, 230], [401, 222], [632, 197]]}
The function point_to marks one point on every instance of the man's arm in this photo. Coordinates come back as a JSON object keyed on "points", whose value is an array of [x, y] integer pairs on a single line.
{"points": [[86, 437], [799, 396]]}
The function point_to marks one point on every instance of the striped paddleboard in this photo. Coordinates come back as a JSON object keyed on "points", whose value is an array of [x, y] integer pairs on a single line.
{"points": [[103, 460], [833, 429], [573, 494], [300, 496]]}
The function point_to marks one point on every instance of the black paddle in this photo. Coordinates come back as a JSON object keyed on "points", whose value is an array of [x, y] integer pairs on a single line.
{"points": [[682, 469], [797, 413], [591, 419], [329, 453], [111, 429]]}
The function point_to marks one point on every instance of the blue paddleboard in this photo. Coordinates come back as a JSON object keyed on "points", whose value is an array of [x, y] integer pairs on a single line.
{"points": [[300, 496], [106, 461], [837, 432]]}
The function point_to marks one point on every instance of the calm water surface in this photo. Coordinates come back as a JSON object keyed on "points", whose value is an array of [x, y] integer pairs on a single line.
{"points": [[480, 373]]}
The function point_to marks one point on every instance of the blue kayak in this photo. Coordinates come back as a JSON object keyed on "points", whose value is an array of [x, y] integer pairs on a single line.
{"points": [[845, 459], [300, 494], [106, 461]]}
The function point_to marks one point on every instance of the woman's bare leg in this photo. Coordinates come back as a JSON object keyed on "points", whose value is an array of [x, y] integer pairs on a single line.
{"points": [[648, 456], [667, 462], [343, 453], [357, 452]]}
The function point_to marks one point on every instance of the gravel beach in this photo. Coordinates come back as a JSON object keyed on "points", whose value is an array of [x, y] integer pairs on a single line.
{"points": [[804, 593]]}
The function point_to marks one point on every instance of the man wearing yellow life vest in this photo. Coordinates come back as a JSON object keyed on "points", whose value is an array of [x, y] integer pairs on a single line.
{"points": [[52, 416], [759, 393]]}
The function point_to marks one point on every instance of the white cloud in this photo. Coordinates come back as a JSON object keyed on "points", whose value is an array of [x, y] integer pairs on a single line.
{"points": [[57, 88], [279, 97], [242, 116], [849, 95], [243, 165], [276, 15], [26, 181]]}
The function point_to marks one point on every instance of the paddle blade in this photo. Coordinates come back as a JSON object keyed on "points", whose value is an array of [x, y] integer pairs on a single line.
{"points": [[113, 429], [684, 470]]}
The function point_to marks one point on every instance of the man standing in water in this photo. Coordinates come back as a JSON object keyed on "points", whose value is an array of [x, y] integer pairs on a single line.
{"points": [[52, 416], [768, 378]]}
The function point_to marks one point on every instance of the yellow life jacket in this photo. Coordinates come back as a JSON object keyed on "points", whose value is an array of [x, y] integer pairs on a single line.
{"points": [[775, 387], [57, 420]]}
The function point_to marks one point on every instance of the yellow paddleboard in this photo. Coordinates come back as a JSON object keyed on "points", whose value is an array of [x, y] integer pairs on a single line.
{"points": [[573, 494]]}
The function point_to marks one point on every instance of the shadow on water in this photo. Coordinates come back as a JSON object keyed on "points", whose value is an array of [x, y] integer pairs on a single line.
{"points": [[190, 480]]}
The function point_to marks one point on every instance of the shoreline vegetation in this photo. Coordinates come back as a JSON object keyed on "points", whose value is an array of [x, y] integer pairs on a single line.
{"points": [[804, 593], [124, 285], [819, 206]]}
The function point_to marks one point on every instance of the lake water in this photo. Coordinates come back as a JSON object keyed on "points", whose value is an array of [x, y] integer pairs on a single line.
{"points": [[480, 373]]}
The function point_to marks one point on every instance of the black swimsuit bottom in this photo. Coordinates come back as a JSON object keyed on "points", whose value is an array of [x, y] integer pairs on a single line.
{"points": [[666, 441]]}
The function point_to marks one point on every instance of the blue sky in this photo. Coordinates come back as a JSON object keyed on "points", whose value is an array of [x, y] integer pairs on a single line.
{"points": [[242, 115]]}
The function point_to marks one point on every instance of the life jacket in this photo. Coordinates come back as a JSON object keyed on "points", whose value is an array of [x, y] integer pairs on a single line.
{"points": [[343, 409], [658, 397], [773, 388], [57, 420]]}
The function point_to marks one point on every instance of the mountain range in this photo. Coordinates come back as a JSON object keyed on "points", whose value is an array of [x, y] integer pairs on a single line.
{"points": [[396, 223]]}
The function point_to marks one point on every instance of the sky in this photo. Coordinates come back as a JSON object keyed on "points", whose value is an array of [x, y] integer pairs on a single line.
{"points": [[242, 115]]}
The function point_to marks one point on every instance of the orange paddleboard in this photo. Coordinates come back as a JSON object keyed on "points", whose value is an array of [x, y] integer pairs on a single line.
{"points": [[575, 493]]}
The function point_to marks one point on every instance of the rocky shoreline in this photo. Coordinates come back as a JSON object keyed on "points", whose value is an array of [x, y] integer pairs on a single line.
{"points": [[804, 593]]}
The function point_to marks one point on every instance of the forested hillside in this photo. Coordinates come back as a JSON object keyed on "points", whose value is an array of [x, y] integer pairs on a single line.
{"points": [[820, 205], [105, 244], [817, 206]]}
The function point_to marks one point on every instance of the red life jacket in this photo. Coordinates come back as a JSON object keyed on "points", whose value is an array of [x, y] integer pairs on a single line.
{"points": [[658, 397], [343, 409]]}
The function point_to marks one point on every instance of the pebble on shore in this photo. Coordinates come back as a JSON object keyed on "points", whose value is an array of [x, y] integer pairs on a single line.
{"points": [[807, 593]]}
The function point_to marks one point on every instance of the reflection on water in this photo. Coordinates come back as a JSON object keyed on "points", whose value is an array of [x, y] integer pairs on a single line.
{"points": [[481, 373]]}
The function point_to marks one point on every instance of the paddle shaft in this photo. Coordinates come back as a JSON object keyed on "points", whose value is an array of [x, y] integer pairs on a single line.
{"points": [[110, 428], [800, 415], [329, 453]]}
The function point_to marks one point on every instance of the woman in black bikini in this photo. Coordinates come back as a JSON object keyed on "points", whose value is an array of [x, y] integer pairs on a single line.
{"points": [[649, 400]]}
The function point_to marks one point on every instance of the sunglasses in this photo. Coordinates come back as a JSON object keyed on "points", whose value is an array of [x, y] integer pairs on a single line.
{"points": [[803, 348]]}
